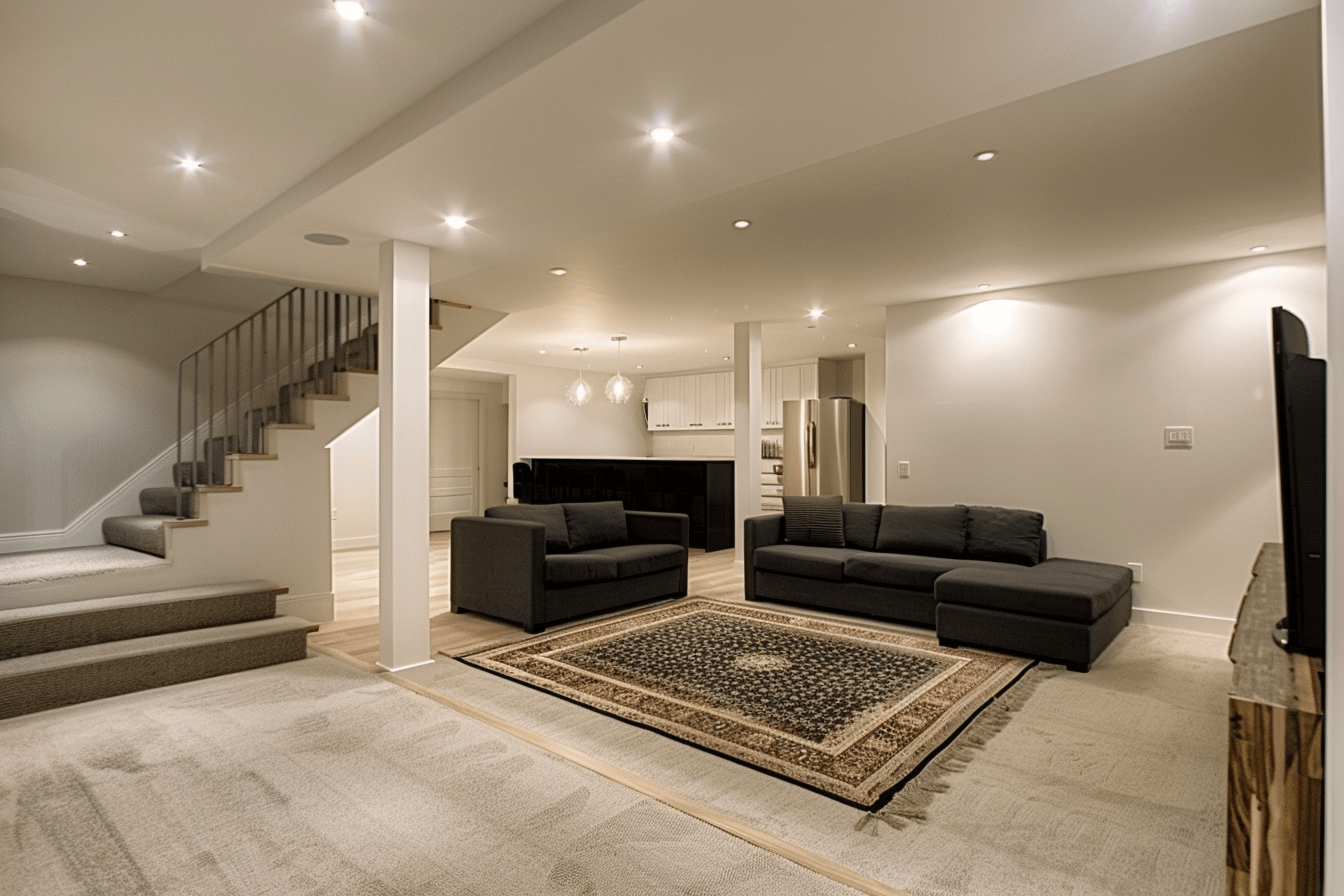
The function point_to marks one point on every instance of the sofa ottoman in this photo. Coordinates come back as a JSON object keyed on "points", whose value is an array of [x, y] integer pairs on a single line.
{"points": [[1060, 609]]}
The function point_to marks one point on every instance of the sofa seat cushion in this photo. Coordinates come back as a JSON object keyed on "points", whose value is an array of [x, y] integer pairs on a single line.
{"points": [[803, 560], [638, 559], [589, 566], [1059, 588], [907, 570]]}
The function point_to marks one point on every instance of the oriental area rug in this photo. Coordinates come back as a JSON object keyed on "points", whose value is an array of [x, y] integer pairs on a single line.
{"points": [[850, 711]]}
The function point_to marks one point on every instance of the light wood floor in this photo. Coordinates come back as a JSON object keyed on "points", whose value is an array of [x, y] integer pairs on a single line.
{"points": [[354, 632]]}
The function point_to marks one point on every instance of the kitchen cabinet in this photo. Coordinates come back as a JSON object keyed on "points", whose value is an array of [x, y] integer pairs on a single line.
{"points": [[704, 401]]}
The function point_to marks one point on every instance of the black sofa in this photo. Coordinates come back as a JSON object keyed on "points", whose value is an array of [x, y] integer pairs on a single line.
{"points": [[978, 575], [538, 563]]}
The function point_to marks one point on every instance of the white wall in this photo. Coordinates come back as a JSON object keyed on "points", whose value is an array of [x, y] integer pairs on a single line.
{"points": [[88, 385], [1063, 412]]}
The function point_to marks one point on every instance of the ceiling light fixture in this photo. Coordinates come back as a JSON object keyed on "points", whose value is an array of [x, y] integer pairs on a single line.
{"points": [[80, 262], [559, 272], [741, 223], [662, 134], [457, 222], [327, 239], [189, 164], [1259, 248], [118, 233], [619, 389], [815, 313], [579, 391], [352, 10], [986, 155], [853, 345], [541, 351], [983, 286]]}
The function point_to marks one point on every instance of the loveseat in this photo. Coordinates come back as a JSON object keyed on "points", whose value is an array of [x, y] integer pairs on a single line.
{"points": [[538, 563], [978, 575]]}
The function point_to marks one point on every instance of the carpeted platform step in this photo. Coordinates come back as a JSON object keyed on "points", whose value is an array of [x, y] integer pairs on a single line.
{"points": [[162, 501], [140, 533], [31, 684], [31, 630]]}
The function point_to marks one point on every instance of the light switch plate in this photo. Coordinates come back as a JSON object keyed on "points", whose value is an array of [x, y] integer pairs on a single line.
{"points": [[903, 469], [1137, 569], [1179, 437]]}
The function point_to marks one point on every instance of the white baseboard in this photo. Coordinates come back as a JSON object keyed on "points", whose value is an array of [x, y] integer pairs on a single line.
{"points": [[350, 544], [313, 607], [1189, 622]]}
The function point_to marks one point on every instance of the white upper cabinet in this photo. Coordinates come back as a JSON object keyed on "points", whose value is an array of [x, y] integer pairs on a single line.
{"points": [[706, 401]]}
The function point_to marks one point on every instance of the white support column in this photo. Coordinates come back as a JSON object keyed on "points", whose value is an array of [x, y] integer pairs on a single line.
{"points": [[403, 455], [746, 426], [1332, 31]]}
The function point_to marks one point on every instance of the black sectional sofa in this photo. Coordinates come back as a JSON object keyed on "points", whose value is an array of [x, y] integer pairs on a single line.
{"points": [[978, 575], [538, 563]]}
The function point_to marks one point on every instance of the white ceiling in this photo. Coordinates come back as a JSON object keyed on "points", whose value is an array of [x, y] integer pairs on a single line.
{"points": [[1133, 134]]}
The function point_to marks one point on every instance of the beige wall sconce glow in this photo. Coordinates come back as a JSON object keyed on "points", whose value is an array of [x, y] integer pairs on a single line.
{"points": [[619, 389], [579, 392]]}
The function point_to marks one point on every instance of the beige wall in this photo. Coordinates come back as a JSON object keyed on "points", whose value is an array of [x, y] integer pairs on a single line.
{"points": [[1063, 412], [88, 381]]}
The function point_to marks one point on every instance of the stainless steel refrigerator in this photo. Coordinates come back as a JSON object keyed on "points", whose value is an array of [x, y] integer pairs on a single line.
{"points": [[823, 447]]}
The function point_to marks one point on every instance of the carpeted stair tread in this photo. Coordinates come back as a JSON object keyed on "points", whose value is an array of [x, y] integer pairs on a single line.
{"points": [[162, 501], [31, 630], [65, 677], [139, 533], [34, 567]]}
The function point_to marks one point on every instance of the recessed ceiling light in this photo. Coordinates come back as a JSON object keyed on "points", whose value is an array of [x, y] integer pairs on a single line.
{"points": [[327, 239], [639, 366], [1259, 248], [986, 155], [559, 272], [118, 233], [662, 134], [350, 9], [457, 222], [189, 164], [741, 223], [983, 286], [853, 345], [814, 313], [81, 262], [727, 357], [541, 351]]}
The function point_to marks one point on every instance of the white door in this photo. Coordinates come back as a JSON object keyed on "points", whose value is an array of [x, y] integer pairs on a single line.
{"points": [[454, 460]]}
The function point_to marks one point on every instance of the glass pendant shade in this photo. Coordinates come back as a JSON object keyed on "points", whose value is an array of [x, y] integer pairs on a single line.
{"points": [[579, 392], [619, 389]]}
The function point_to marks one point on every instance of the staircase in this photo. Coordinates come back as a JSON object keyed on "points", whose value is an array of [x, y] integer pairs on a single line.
{"points": [[251, 477], [62, 654]]}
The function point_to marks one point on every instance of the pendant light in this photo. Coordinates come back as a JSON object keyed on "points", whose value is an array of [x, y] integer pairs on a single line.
{"points": [[619, 388], [579, 391]]}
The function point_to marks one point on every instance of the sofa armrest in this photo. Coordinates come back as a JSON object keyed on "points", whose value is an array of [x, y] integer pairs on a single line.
{"points": [[758, 532], [650, 527], [498, 567]]}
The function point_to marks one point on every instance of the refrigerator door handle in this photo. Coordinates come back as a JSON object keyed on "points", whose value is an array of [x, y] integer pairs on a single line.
{"points": [[812, 445]]}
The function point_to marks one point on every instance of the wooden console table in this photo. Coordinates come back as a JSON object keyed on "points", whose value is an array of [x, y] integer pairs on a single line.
{"points": [[1274, 770]]}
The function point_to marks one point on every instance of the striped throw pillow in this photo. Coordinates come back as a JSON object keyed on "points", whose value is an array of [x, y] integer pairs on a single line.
{"points": [[815, 520]]}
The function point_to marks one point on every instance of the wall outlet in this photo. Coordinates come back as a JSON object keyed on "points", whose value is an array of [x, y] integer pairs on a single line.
{"points": [[903, 469], [1178, 437], [1137, 569]]}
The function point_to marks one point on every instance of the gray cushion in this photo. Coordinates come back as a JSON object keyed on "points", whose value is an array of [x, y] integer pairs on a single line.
{"points": [[814, 520], [590, 566], [803, 560], [927, 531], [1075, 590], [1004, 534], [595, 524], [552, 515], [638, 559], [861, 522], [908, 570]]}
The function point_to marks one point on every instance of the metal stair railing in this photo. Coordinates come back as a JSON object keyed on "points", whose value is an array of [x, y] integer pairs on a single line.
{"points": [[257, 373]]}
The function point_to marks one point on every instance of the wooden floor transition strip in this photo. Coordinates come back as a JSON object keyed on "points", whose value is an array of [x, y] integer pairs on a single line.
{"points": [[809, 860]]}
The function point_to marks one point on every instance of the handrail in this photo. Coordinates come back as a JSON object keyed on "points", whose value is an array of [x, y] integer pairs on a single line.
{"points": [[256, 373]]}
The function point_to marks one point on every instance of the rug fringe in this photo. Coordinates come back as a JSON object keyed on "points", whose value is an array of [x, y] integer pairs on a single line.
{"points": [[911, 802]]}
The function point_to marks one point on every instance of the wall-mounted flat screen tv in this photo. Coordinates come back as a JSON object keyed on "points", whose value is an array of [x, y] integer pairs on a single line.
{"points": [[1299, 392]]}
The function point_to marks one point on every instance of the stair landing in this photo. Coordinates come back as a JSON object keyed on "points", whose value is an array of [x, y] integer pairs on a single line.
{"points": [[36, 567]]}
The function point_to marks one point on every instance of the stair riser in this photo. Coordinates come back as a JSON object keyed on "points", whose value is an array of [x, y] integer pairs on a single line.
{"points": [[28, 637], [52, 689]]}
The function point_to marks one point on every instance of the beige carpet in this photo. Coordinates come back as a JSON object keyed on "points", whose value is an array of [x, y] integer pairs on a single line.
{"points": [[1110, 782], [315, 778]]}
